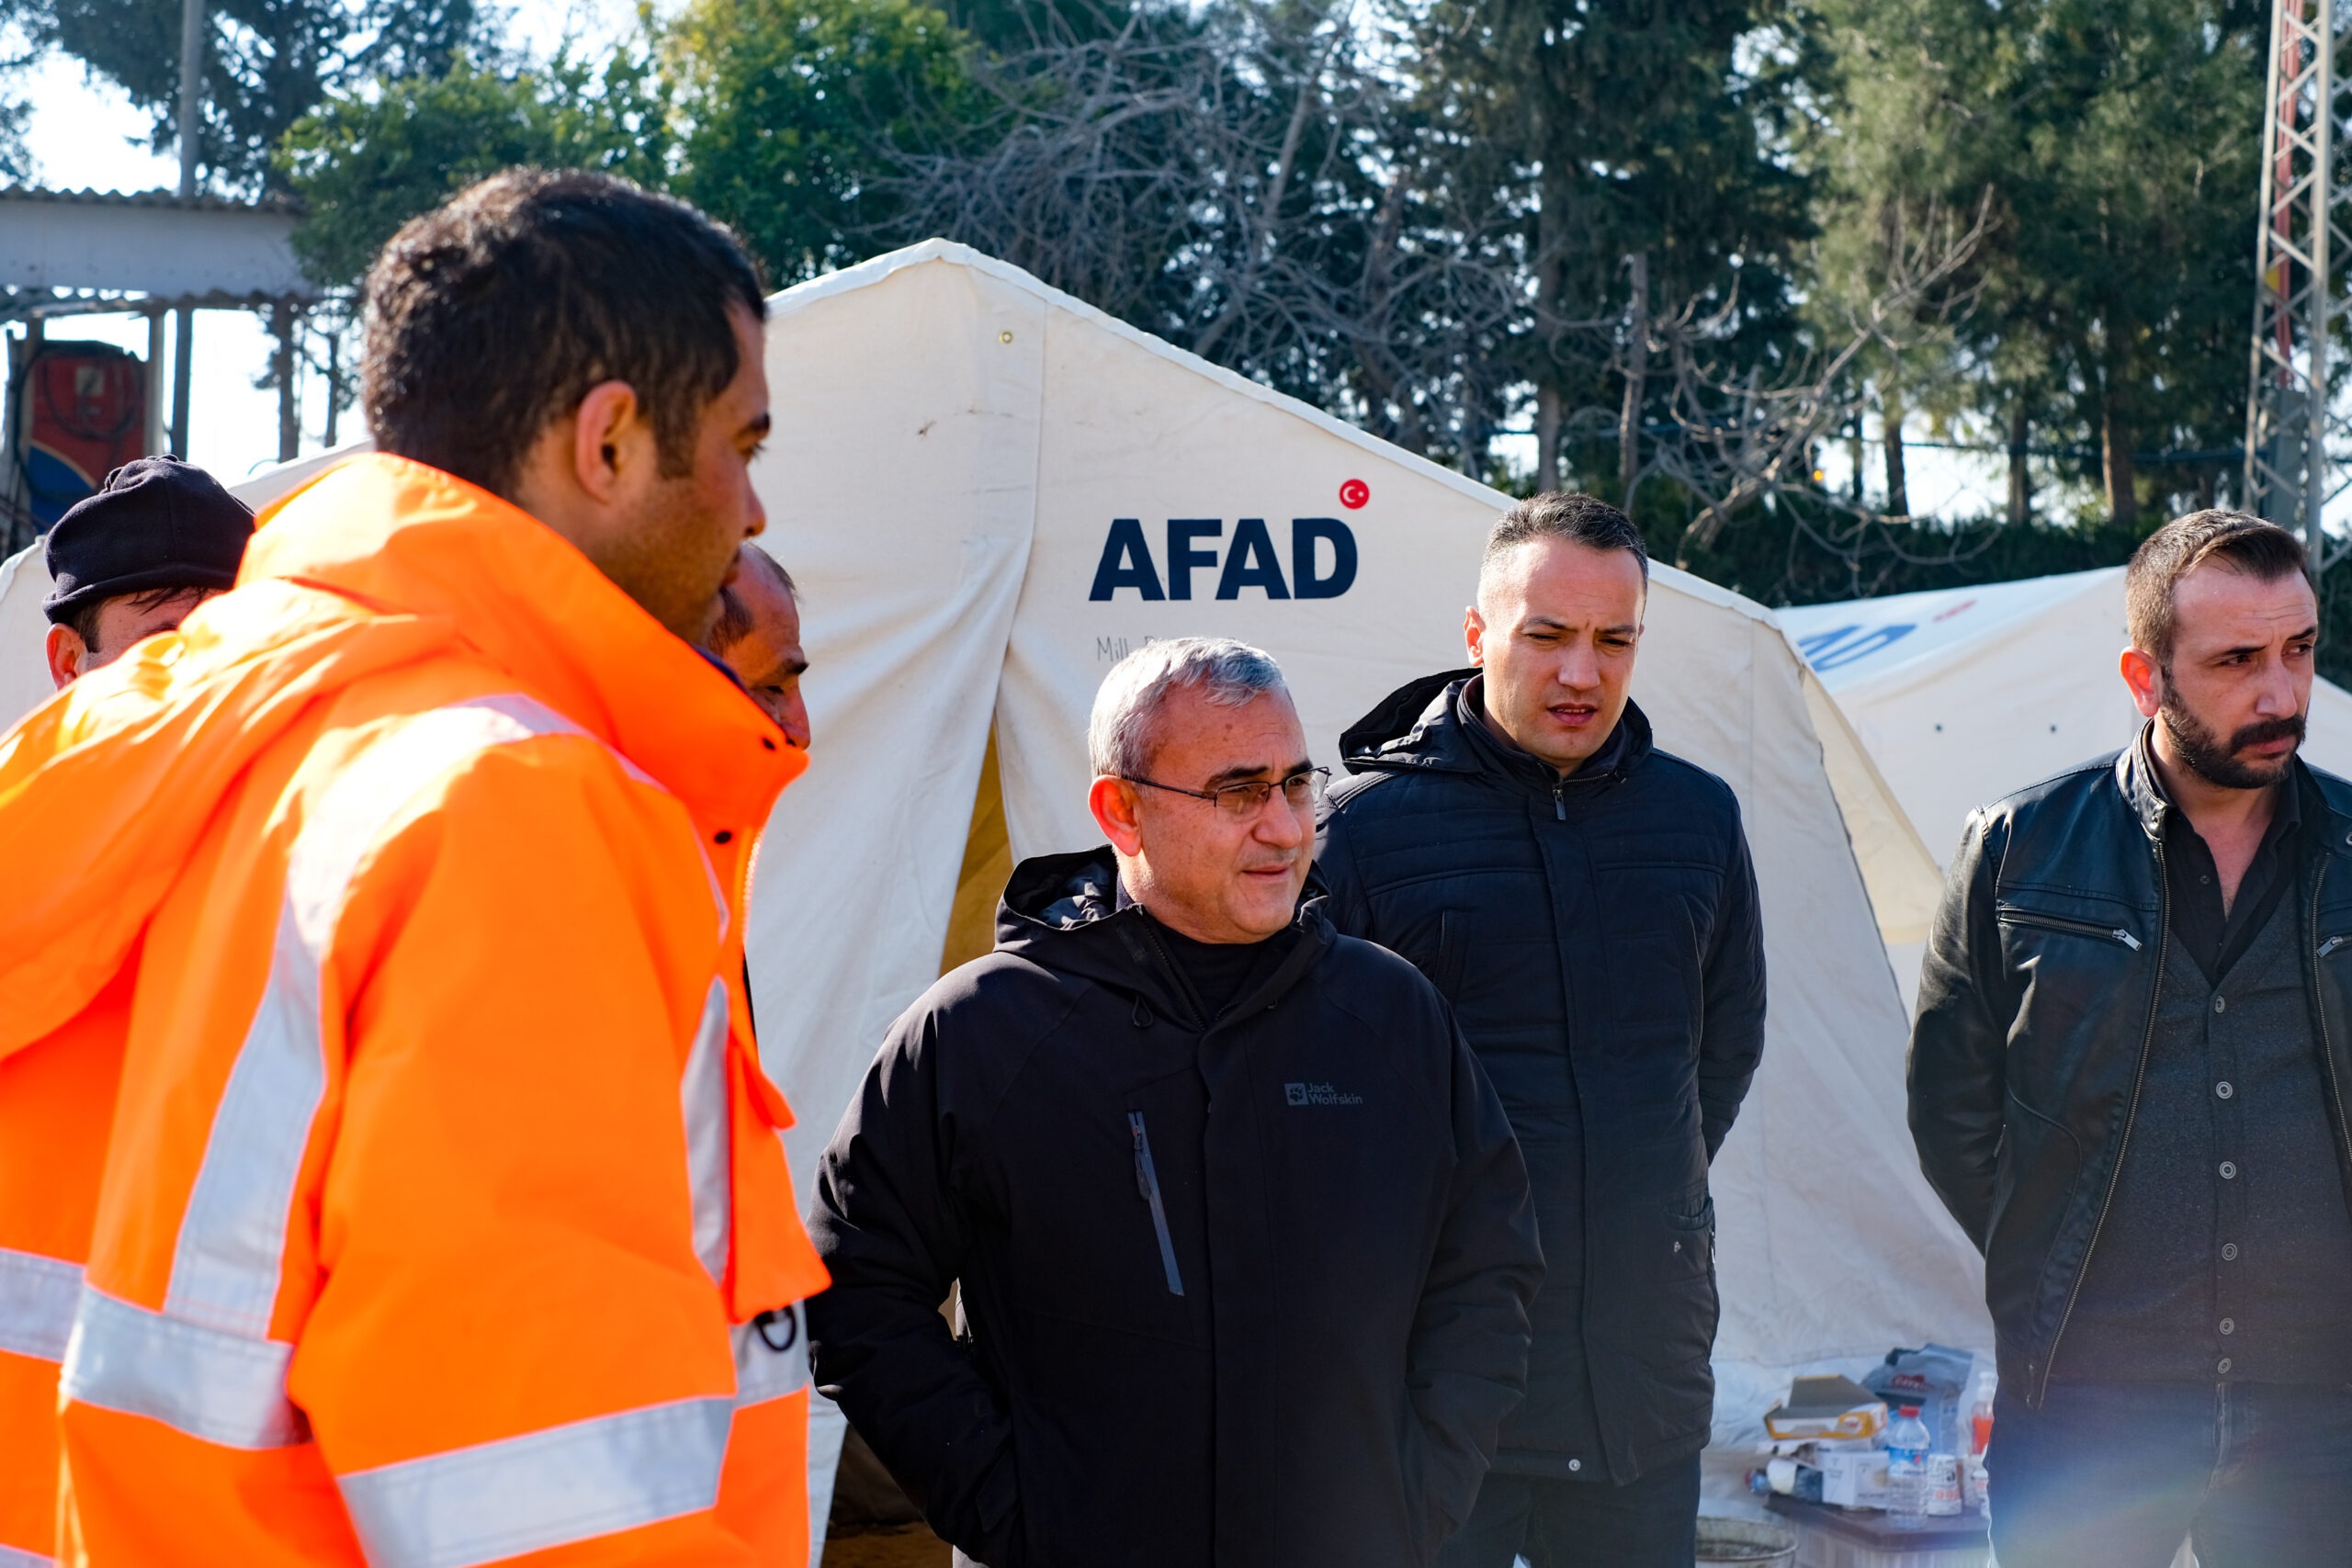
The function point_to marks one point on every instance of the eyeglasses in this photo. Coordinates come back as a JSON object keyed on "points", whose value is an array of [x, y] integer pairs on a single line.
{"points": [[1302, 789]]}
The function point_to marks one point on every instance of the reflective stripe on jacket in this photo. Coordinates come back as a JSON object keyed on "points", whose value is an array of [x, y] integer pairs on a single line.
{"points": [[446, 1222], [56, 1101]]}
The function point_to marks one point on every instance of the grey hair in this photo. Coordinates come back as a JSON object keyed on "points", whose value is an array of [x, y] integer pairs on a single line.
{"points": [[1119, 736], [734, 622]]}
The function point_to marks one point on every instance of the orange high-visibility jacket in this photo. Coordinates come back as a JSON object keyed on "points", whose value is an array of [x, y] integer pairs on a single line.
{"points": [[443, 1219]]}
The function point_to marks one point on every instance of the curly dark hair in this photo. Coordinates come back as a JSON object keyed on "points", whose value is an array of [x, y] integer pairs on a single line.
{"points": [[491, 317]]}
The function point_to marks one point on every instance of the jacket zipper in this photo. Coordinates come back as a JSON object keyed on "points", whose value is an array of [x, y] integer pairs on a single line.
{"points": [[1147, 1183], [1559, 805], [2131, 1113], [2061, 923], [2332, 944]]}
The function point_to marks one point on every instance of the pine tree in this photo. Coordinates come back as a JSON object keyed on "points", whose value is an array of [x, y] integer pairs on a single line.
{"points": [[2119, 140]]}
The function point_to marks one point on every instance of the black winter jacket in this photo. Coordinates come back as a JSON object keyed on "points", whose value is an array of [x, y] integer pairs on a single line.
{"points": [[1599, 940], [2036, 1007], [1243, 1292]]}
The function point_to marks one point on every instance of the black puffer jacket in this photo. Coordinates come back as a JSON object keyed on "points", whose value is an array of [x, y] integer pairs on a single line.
{"points": [[2036, 1007], [1599, 940], [1322, 1172]]}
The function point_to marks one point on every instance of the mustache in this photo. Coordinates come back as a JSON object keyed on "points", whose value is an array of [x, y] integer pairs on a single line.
{"points": [[2288, 728]]}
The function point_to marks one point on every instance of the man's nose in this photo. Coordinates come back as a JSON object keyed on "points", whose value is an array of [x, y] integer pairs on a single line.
{"points": [[2275, 695], [792, 717], [1580, 666], [1279, 826], [755, 512]]}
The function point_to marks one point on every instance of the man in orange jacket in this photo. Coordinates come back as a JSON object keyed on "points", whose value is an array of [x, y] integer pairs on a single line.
{"points": [[445, 1222], [159, 538]]}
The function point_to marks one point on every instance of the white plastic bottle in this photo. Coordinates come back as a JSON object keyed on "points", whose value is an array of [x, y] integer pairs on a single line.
{"points": [[1980, 1438], [1980, 1415], [1907, 1470]]}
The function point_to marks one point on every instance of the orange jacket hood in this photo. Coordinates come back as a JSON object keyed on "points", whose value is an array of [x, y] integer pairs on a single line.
{"points": [[105, 789]]}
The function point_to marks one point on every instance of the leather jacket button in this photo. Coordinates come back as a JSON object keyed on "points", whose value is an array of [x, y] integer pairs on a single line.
{"points": [[2229, 1326], [2228, 1252], [2221, 1004], [2228, 1171], [2223, 1090], [2223, 1366]]}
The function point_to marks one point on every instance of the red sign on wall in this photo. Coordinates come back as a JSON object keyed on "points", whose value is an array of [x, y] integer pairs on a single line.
{"points": [[88, 403]]}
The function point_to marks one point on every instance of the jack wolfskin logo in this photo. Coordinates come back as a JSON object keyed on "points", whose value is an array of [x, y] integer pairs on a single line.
{"points": [[1317, 1094]]}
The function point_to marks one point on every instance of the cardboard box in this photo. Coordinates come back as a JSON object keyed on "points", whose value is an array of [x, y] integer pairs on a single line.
{"points": [[1852, 1478], [1827, 1407]]}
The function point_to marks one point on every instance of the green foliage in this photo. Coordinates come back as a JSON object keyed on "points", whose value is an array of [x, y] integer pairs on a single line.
{"points": [[1632, 128], [1429, 216], [365, 163], [796, 111], [2121, 142]]}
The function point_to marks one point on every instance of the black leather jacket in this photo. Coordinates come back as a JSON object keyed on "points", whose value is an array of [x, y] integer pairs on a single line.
{"points": [[2036, 1007]]}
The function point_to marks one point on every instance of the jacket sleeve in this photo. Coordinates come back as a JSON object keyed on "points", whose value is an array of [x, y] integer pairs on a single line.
{"points": [[1731, 1039], [889, 1230], [1335, 866], [514, 1346], [1466, 1366], [1958, 1073]]}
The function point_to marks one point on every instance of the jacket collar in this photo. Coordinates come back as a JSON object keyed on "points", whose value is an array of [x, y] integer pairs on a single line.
{"points": [[2322, 802], [2135, 775], [1069, 913], [396, 538], [1431, 725]]}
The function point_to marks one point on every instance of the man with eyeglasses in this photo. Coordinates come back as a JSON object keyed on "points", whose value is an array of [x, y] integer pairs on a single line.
{"points": [[1244, 1243]]}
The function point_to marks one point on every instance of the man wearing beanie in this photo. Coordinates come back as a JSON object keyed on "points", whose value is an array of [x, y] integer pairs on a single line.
{"points": [[158, 539]]}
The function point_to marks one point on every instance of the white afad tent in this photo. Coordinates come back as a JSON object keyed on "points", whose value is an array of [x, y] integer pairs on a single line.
{"points": [[989, 491], [23, 631], [1961, 695]]}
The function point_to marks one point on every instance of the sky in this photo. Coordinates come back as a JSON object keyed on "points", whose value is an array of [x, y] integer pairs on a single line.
{"points": [[85, 134]]}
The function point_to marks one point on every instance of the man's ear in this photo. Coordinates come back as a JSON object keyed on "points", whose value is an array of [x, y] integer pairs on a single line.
{"points": [[67, 656], [1114, 803], [2145, 678], [610, 436], [1473, 635]]}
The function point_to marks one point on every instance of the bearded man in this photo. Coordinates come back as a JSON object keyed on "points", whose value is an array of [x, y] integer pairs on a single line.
{"points": [[2126, 1083]]}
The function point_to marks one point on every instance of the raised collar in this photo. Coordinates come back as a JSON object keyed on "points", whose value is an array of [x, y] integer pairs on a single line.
{"points": [[396, 537]]}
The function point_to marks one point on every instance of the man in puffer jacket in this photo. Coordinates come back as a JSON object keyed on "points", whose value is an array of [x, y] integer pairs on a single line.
{"points": [[1586, 902], [1243, 1238]]}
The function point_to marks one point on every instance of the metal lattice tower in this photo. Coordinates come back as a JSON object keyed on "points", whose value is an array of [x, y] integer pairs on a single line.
{"points": [[2300, 248]]}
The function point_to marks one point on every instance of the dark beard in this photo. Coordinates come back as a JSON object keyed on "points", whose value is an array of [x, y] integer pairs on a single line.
{"points": [[2203, 753]]}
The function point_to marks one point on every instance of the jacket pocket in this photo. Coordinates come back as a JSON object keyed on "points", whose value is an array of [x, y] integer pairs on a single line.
{"points": [[1684, 1309], [1148, 1184], [2010, 915], [2035, 1182], [1690, 1240]]}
